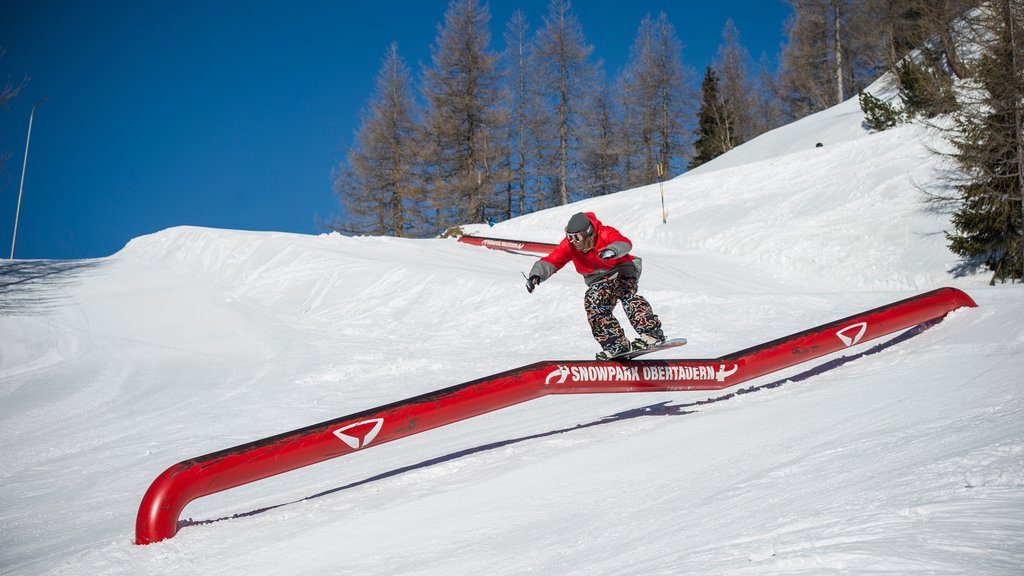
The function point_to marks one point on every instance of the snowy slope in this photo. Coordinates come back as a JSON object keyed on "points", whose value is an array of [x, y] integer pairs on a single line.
{"points": [[905, 457]]}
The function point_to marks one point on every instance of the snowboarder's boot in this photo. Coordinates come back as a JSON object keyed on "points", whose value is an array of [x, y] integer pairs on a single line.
{"points": [[647, 340], [612, 352]]}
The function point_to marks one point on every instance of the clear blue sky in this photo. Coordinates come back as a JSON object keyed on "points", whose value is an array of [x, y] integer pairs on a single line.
{"points": [[233, 114]]}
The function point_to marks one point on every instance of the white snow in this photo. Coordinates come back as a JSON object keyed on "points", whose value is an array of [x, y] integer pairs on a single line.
{"points": [[904, 457]]}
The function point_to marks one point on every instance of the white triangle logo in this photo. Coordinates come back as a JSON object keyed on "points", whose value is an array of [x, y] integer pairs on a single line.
{"points": [[355, 442], [853, 333]]}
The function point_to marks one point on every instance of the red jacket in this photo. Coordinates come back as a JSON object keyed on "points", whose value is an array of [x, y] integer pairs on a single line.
{"points": [[590, 264]]}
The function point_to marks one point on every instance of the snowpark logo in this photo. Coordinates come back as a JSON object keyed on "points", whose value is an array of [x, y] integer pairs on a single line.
{"points": [[852, 333], [355, 442], [561, 373], [503, 244], [703, 372]]}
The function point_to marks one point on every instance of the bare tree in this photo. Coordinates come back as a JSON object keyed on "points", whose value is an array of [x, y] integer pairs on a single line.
{"points": [[656, 96], [565, 78], [462, 122], [837, 48], [886, 30], [833, 51], [938, 21], [805, 79], [767, 106], [9, 91], [376, 185], [735, 85], [601, 159], [517, 49], [676, 99]]}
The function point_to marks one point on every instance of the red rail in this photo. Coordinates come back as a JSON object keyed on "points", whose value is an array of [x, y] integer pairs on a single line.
{"points": [[508, 245], [180, 484]]}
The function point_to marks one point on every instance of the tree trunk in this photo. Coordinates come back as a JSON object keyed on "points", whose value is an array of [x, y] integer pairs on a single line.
{"points": [[1015, 90], [837, 17]]}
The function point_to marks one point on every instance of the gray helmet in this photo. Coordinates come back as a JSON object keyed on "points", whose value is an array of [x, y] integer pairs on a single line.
{"points": [[579, 223]]}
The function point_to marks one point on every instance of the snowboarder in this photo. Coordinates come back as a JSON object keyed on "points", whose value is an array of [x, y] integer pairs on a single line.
{"points": [[601, 254]]}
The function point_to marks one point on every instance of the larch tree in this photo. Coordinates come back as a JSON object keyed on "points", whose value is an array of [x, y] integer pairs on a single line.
{"points": [[655, 95], [601, 159], [9, 91], [805, 81], [735, 86], [376, 184], [461, 141], [517, 52], [564, 78]]}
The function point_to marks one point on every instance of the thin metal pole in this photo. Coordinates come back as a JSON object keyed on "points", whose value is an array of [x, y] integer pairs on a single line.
{"points": [[24, 164], [661, 185]]}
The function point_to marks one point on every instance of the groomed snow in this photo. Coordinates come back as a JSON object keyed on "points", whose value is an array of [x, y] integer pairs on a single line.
{"points": [[905, 456]]}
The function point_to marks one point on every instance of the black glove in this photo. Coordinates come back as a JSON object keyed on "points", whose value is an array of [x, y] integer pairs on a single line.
{"points": [[606, 254], [532, 283]]}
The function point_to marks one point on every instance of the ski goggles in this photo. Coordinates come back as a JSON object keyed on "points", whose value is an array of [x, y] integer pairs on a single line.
{"points": [[576, 237]]}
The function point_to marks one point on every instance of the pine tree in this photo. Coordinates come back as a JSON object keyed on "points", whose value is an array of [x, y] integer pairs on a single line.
{"points": [[878, 114], [989, 224], [376, 185], [716, 132], [925, 89]]}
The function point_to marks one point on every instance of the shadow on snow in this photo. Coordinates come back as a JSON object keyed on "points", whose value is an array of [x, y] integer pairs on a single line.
{"points": [[32, 286], [666, 408]]}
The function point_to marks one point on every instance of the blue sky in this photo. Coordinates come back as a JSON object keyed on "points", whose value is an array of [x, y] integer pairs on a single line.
{"points": [[233, 114]]}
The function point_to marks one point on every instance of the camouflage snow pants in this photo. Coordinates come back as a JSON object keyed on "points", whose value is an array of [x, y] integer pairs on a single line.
{"points": [[600, 300]]}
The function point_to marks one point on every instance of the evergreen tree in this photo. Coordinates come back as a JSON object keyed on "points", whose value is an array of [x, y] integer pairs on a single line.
{"points": [[716, 132], [878, 114], [925, 89], [989, 149], [376, 185]]}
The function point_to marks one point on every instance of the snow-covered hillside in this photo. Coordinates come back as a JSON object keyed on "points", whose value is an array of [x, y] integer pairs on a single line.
{"points": [[904, 457]]}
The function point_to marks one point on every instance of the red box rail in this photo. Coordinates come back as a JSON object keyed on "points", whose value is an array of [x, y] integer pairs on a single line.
{"points": [[204, 475], [508, 245]]}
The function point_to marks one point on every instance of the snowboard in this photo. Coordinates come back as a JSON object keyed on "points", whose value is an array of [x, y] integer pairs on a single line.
{"points": [[630, 354]]}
